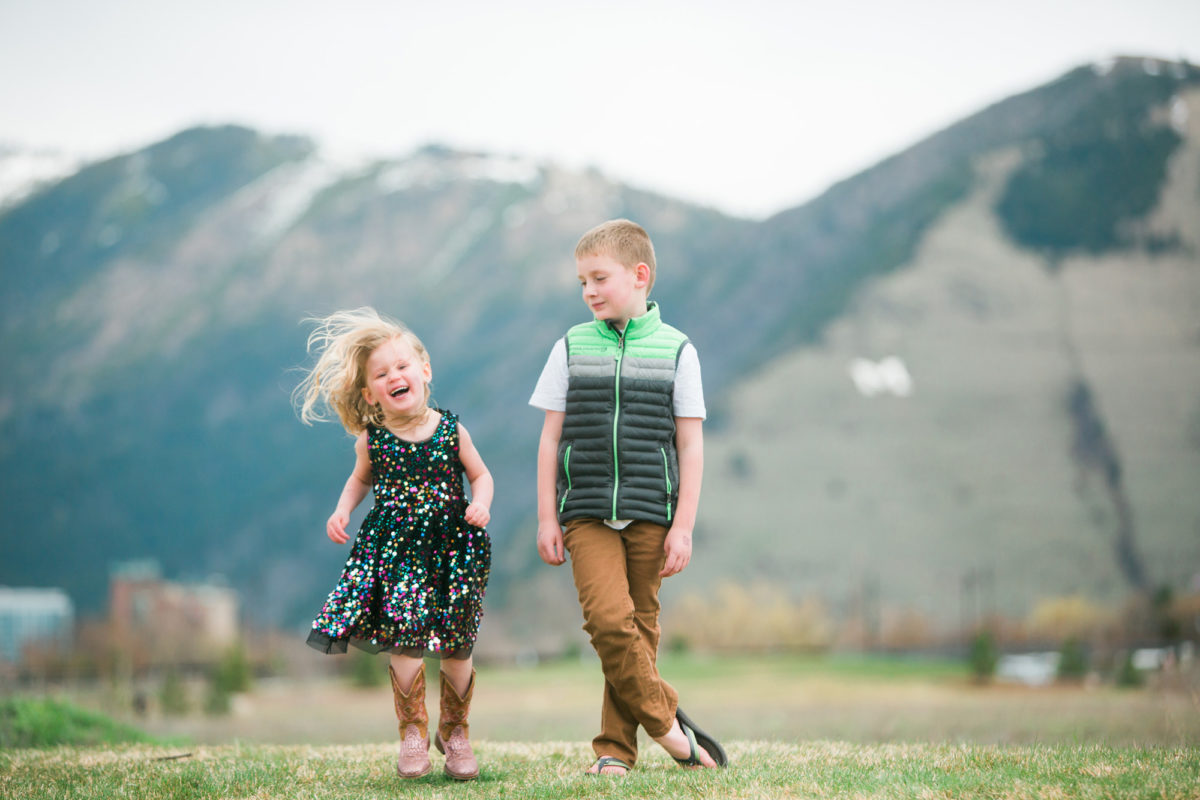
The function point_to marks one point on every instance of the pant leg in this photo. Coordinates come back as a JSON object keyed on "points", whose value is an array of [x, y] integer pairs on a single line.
{"points": [[616, 575], [645, 558]]}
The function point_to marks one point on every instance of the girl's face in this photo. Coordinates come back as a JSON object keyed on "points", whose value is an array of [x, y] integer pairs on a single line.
{"points": [[396, 378]]}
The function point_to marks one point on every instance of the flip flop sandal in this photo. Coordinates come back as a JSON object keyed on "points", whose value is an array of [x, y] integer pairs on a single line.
{"points": [[698, 737], [609, 761]]}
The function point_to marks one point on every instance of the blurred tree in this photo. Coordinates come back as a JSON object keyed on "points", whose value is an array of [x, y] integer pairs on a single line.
{"points": [[983, 656], [172, 698], [366, 671], [1128, 676], [761, 618], [233, 671], [1170, 627], [218, 701], [1072, 661], [1068, 617]]}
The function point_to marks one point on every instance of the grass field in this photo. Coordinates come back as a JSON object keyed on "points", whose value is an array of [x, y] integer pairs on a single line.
{"points": [[772, 698], [793, 726], [553, 771]]}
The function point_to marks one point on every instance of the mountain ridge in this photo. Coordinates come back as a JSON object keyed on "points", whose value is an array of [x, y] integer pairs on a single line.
{"points": [[150, 333]]}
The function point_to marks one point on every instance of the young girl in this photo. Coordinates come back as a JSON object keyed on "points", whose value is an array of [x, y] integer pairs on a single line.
{"points": [[415, 578]]}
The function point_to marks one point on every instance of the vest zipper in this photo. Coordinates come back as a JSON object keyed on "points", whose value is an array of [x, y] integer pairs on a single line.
{"points": [[667, 475], [567, 472], [617, 417]]}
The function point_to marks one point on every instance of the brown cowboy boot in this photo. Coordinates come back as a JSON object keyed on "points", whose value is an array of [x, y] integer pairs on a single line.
{"points": [[414, 726], [453, 733]]}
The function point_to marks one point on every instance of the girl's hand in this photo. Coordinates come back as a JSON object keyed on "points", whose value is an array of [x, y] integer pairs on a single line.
{"points": [[478, 515], [550, 544], [678, 548], [335, 528]]}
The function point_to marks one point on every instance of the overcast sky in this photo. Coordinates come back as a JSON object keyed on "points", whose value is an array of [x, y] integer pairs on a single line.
{"points": [[749, 106]]}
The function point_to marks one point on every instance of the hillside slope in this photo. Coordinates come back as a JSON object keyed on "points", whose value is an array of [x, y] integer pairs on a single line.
{"points": [[152, 321], [1049, 440]]}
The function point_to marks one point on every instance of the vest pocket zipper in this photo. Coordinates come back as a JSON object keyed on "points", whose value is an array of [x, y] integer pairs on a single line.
{"points": [[667, 476], [567, 473]]}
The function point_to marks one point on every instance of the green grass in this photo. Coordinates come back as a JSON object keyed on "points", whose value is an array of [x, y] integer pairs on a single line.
{"points": [[794, 727], [33, 722], [758, 770], [843, 666]]}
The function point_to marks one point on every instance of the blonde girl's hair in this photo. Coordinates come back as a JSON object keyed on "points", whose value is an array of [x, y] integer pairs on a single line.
{"points": [[344, 341], [623, 241]]}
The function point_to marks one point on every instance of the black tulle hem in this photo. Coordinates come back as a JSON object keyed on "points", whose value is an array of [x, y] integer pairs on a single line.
{"points": [[330, 646]]}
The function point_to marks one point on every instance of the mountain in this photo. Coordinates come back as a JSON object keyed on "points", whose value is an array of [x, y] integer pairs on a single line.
{"points": [[1033, 267], [23, 171], [1043, 438]]}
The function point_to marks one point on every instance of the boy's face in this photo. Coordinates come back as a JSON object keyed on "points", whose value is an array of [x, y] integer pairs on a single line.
{"points": [[614, 292]]}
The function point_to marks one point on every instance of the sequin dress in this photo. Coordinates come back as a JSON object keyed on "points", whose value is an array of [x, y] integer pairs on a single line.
{"points": [[416, 575]]}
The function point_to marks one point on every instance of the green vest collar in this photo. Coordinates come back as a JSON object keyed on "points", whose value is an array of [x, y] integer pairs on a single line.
{"points": [[636, 328]]}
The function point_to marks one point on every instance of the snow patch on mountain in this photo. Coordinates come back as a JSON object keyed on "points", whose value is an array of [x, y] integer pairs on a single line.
{"points": [[22, 172], [282, 196], [432, 169]]}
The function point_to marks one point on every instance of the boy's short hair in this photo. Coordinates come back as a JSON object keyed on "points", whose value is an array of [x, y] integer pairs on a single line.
{"points": [[623, 241]]}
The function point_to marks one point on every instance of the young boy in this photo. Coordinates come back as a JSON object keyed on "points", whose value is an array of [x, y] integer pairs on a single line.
{"points": [[619, 467]]}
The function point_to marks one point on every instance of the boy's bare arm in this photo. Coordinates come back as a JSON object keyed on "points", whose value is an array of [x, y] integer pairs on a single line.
{"points": [[689, 443], [549, 537]]}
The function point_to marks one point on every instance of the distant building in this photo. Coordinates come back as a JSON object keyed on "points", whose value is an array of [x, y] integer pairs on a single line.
{"points": [[193, 621], [29, 616]]}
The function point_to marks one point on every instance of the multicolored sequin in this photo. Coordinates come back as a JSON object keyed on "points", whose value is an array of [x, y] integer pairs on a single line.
{"points": [[416, 575]]}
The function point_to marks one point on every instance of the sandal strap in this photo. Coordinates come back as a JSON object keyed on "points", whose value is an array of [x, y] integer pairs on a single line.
{"points": [[610, 761], [693, 759]]}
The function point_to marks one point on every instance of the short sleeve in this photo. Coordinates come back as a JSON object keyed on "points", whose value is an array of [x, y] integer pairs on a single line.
{"points": [[689, 390], [550, 393]]}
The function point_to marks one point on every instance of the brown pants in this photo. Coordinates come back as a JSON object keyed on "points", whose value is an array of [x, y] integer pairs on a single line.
{"points": [[616, 574]]}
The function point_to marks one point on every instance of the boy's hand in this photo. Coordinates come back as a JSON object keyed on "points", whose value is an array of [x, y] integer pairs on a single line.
{"points": [[678, 548], [478, 515], [550, 544], [335, 528]]}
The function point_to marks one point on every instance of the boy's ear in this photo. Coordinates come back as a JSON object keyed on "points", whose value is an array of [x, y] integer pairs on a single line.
{"points": [[641, 272]]}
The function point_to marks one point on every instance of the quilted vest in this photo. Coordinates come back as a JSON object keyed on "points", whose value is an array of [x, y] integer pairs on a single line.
{"points": [[616, 457]]}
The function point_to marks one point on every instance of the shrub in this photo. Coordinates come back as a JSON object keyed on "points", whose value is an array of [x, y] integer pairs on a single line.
{"points": [[233, 672], [759, 618], [983, 656], [1072, 661], [218, 701], [365, 671], [1068, 617], [173, 695], [1128, 676]]}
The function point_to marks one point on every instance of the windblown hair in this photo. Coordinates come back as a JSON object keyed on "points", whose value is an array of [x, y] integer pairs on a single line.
{"points": [[621, 240], [345, 340]]}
